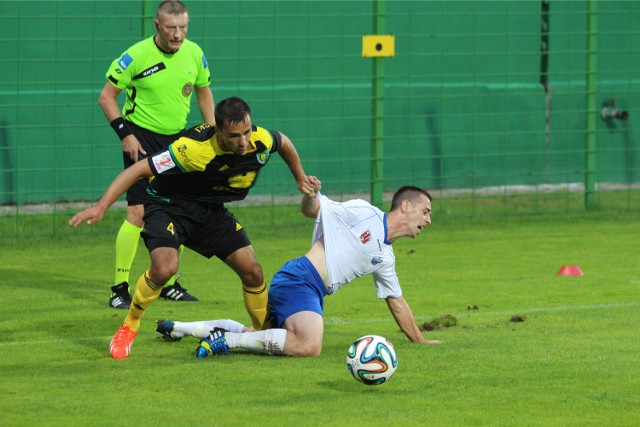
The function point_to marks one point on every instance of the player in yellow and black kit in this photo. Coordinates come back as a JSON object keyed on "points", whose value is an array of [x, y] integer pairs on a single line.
{"points": [[193, 178]]}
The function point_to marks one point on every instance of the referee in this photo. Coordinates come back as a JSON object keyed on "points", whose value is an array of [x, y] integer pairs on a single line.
{"points": [[159, 74]]}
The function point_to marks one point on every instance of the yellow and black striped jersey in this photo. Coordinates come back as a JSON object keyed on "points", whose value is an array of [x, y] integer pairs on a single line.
{"points": [[195, 167]]}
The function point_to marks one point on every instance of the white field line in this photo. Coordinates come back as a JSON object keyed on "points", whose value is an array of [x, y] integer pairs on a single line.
{"points": [[339, 321], [480, 313]]}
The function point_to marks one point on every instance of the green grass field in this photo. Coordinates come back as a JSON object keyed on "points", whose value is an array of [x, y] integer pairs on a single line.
{"points": [[573, 361]]}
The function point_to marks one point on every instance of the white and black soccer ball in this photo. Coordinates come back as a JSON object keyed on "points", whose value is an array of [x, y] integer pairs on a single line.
{"points": [[372, 360]]}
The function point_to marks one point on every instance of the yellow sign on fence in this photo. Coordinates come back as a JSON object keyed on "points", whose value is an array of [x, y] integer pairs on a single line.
{"points": [[378, 45]]}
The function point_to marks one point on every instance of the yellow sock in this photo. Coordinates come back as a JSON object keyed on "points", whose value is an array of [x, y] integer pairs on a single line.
{"points": [[126, 247], [174, 278], [255, 300], [146, 293]]}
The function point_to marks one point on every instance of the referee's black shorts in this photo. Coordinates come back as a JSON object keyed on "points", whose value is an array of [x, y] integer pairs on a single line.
{"points": [[209, 229], [151, 142]]}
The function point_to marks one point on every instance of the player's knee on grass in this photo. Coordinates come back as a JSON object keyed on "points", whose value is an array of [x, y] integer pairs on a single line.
{"points": [[305, 351], [295, 346], [305, 330]]}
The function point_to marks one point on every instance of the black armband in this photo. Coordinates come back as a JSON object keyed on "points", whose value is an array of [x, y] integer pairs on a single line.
{"points": [[120, 127]]}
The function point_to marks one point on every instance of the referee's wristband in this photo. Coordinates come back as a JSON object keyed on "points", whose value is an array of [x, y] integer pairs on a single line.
{"points": [[120, 128]]}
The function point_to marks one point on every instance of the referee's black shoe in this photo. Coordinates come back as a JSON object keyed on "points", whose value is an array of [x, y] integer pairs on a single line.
{"points": [[176, 292], [120, 297]]}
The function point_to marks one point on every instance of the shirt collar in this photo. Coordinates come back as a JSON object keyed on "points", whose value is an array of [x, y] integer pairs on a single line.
{"points": [[386, 229]]}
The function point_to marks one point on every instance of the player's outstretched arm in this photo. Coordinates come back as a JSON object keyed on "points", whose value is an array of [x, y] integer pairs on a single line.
{"points": [[404, 318], [118, 186], [290, 156]]}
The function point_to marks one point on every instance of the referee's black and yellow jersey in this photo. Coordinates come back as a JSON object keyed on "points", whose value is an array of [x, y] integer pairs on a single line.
{"points": [[195, 167]]}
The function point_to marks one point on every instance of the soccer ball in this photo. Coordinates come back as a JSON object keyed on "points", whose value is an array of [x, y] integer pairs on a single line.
{"points": [[372, 360]]}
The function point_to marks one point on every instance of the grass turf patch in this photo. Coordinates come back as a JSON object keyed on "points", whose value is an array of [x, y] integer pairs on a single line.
{"points": [[573, 361]]}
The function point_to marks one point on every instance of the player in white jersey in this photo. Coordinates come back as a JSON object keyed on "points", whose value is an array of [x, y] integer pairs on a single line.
{"points": [[354, 238], [350, 239]]}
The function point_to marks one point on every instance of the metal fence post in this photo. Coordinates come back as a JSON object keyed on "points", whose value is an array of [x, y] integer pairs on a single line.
{"points": [[591, 105], [377, 108]]}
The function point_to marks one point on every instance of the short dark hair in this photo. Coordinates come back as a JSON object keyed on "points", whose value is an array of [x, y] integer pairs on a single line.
{"points": [[171, 7], [231, 110], [408, 192]]}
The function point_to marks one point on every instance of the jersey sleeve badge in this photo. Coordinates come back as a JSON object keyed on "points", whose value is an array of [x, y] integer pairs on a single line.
{"points": [[125, 61], [163, 161]]}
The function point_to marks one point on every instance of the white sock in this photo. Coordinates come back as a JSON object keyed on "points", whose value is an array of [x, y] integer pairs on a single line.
{"points": [[269, 341], [275, 339], [226, 324], [203, 329]]}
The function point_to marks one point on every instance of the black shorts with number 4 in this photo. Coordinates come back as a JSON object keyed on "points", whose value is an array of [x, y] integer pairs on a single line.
{"points": [[209, 229]]}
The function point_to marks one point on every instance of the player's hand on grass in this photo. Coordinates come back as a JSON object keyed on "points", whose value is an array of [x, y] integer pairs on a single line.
{"points": [[90, 215]]}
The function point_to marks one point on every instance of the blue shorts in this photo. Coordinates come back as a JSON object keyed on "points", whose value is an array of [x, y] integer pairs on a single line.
{"points": [[296, 287]]}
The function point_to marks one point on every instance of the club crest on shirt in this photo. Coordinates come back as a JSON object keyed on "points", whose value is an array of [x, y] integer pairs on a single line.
{"points": [[262, 157], [186, 90], [365, 237]]}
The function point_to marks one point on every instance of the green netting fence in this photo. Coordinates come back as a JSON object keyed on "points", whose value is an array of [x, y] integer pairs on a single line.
{"points": [[498, 107]]}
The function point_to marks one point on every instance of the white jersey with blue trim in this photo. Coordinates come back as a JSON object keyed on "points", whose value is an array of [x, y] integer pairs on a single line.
{"points": [[355, 244]]}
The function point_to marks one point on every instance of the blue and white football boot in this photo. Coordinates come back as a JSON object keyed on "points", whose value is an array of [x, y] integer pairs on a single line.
{"points": [[215, 343]]}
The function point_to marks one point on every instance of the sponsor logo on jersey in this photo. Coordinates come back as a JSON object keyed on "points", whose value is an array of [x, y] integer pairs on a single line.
{"points": [[163, 161], [202, 127], [238, 226], [150, 71], [262, 157], [376, 260], [182, 150], [186, 90], [365, 237], [125, 61], [204, 61]]}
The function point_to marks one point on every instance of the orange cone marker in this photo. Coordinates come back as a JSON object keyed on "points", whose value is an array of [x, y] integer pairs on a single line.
{"points": [[570, 270]]}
